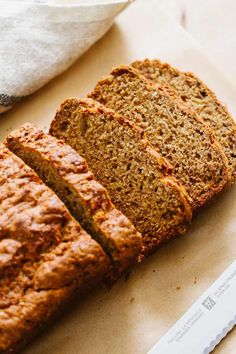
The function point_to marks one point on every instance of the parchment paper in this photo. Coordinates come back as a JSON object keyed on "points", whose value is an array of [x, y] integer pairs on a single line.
{"points": [[139, 310]]}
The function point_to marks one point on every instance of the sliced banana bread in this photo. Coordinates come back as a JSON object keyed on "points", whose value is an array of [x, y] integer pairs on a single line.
{"points": [[201, 99], [183, 139], [45, 255], [136, 176], [66, 172]]}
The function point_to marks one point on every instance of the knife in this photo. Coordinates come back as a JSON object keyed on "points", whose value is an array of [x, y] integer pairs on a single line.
{"points": [[207, 321]]}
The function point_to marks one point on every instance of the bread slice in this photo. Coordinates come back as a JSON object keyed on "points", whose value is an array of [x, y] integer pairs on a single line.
{"points": [[66, 172], [199, 98], [45, 255], [199, 162], [136, 176]]}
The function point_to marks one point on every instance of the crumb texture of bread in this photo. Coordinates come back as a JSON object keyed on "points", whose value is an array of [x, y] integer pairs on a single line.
{"points": [[66, 172], [45, 255], [196, 95], [174, 130], [135, 175]]}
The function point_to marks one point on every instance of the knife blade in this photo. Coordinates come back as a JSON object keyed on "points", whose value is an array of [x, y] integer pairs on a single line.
{"points": [[207, 321]]}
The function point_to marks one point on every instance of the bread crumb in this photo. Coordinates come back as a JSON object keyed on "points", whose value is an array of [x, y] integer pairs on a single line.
{"points": [[183, 18], [132, 300], [195, 280], [178, 287], [153, 270], [127, 276]]}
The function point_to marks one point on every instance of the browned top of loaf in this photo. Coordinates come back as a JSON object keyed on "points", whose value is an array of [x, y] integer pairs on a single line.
{"points": [[73, 170], [114, 91], [44, 253], [200, 98]]}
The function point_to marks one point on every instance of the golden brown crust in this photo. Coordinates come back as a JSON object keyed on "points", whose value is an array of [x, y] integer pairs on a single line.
{"points": [[44, 253], [66, 172], [195, 94], [200, 197]]}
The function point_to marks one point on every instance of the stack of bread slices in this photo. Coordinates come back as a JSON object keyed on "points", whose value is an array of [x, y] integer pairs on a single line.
{"points": [[119, 173]]}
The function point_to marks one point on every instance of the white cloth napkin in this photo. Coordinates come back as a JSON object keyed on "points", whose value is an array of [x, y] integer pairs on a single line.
{"points": [[40, 39]]}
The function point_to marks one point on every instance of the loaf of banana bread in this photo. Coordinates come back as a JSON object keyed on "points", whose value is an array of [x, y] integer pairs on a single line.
{"points": [[201, 99], [183, 139], [66, 172], [135, 175], [45, 255]]}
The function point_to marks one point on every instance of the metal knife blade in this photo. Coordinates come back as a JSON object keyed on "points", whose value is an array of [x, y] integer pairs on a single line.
{"points": [[207, 321]]}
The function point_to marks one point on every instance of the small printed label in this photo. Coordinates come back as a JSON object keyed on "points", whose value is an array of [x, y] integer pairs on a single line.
{"points": [[203, 326], [208, 303]]}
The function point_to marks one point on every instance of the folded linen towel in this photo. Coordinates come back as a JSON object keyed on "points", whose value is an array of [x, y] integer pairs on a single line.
{"points": [[40, 39]]}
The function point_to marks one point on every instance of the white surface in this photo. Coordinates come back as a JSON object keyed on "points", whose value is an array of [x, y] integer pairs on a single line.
{"points": [[213, 25]]}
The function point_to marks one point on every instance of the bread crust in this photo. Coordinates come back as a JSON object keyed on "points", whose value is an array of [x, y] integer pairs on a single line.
{"points": [[45, 255], [70, 176]]}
